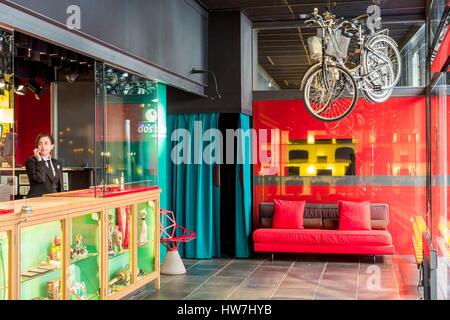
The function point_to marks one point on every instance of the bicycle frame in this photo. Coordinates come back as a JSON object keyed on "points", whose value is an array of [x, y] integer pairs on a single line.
{"points": [[362, 42]]}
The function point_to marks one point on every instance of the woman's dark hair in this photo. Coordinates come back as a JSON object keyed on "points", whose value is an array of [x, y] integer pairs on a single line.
{"points": [[43, 135]]}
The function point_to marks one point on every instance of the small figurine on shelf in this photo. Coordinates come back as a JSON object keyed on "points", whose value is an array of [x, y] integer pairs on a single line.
{"points": [[79, 250], [121, 278], [78, 291], [110, 234], [117, 240], [143, 236], [55, 251]]}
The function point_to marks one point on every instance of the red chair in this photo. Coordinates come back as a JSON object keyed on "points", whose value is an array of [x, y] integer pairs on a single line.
{"points": [[169, 229]]}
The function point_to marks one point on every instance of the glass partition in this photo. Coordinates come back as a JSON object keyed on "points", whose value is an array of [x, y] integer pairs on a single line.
{"points": [[8, 182], [127, 130], [376, 153], [439, 223]]}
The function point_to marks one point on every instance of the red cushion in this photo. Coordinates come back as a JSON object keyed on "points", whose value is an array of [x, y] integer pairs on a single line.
{"points": [[354, 215], [293, 236], [323, 237], [288, 214]]}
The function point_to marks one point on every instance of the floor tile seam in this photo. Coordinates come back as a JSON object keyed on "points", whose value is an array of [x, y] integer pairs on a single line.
{"points": [[210, 277], [320, 279], [187, 269], [282, 279], [357, 279], [395, 278], [243, 281]]}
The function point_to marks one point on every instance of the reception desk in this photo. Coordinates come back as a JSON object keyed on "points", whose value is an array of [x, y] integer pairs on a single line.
{"points": [[75, 246]]}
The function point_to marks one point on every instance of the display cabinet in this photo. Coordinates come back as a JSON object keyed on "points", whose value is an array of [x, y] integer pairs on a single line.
{"points": [[69, 246], [5, 263]]}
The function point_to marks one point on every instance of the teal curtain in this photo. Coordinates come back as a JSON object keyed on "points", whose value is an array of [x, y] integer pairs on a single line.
{"points": [[194, 197], [243, 191]]}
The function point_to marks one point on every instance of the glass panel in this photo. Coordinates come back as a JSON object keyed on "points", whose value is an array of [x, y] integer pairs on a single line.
{"points": [[413, 54], [119, 254], [8, 183], [84, 280], [4, 265], [440, 104], [437, 10], [146, 238], [377, 153], [75, 119], [41, 260], [127, 126]]}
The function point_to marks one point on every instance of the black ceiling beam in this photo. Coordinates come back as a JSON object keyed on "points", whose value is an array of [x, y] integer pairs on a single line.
{"points": [[387, 20], [318, 4]]}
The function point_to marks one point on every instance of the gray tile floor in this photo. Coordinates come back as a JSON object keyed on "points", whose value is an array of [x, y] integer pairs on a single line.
{"points": [[306, 277]]}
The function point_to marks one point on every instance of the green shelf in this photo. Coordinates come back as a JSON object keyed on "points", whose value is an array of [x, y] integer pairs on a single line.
{"points": [[125, 251], [26, 279], [146, 244], [90, 255]]}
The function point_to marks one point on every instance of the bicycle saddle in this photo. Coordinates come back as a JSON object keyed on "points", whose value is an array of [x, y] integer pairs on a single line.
{"points": [[360, 19]]}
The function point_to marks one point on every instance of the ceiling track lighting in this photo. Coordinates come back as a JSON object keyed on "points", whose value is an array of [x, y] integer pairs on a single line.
{"points": [[36, 88], [71, 77]]}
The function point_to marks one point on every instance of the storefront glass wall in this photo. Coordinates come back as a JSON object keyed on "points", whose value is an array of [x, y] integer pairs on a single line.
{"points": [[439, 143], [413, 55], [377, 153], [440, 104]]}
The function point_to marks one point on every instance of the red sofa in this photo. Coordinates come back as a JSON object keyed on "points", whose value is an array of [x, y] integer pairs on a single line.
{"points": [[321, 234]]}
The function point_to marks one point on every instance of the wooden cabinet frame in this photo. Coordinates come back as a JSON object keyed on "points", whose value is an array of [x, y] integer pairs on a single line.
{"points": [[64, 207]]}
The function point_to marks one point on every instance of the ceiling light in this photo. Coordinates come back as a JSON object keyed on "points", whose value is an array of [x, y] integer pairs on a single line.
{"points": [[36, 88], [71, 77]]}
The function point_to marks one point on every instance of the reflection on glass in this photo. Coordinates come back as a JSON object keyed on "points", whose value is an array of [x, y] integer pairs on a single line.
{"points": [[320, 157], [146, 238], [7, 136], [41, 261], [440, 103], [4, 265], [437, 10], [128, 106], [413, 54], [119, 255], [84, 280]]}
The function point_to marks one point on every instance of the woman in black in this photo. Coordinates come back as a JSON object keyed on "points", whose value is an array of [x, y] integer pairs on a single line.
{"points": [[44, 172]]}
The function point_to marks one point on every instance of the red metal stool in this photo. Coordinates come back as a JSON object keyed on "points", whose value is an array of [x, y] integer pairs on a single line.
{"points": [[169, 228]]}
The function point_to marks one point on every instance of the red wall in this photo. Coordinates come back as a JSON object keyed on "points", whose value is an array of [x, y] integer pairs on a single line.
{"points": [[390, 157], [31, 118]]}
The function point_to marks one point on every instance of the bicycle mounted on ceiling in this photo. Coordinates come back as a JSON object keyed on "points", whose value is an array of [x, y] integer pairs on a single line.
{"points": [[330, 86]]}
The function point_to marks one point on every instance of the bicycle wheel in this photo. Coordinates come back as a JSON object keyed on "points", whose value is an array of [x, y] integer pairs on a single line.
{"points": [[383, 48], [330, 94], [378, 96]]}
